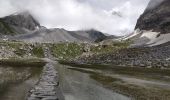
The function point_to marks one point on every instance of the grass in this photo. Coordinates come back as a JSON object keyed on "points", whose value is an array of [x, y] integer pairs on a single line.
{"points": [[144, 73], [22, 49], [113, 47], [15, 62], [133, 90], [8, 30], [16, 47], [67, 51], [38, 51], [62, 51], [16, 75]]}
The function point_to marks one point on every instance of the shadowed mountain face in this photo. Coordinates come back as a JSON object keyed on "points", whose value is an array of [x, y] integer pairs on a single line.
{"points": [[23, 20], [18, 24], [156, 17]]}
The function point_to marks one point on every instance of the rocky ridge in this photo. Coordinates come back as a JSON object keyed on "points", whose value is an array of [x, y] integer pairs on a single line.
{"points": [[156, 17]]}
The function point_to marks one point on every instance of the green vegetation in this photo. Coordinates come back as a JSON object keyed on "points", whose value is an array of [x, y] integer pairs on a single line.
{"points": [[38, 51], [18, 62], [13, 75], [65, 51], [16, 47], [23, 49], [6, 28], [68, 51], [143, 73], [112, 80], [112, 47], [62, 51]]}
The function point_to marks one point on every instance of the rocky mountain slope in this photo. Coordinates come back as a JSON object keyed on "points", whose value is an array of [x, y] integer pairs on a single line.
{"points": [[153, 26], [24, 27], [20, 23], [156, 57], [151, 46], [61, 35], [156, 17]]}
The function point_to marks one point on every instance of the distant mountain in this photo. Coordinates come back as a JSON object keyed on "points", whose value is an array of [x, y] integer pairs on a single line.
{"points": [[23, 26], [19, 23], [61, 35]]}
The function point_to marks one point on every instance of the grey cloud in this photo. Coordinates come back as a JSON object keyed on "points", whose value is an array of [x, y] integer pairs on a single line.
{"points": [[80, 14], [154, 3]]}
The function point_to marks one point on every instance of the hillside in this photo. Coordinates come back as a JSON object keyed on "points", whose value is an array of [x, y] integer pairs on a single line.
{"points": [[61, 35], [150, 41], [18, 23], [156, 17], [24, 27], [153, 26]]}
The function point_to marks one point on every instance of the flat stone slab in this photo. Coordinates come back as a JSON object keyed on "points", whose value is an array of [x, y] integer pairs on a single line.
{"points": [[48, 86]]}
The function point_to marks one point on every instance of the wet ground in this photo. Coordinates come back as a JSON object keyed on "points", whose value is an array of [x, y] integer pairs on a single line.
{"points": [[86, 82], [78, 85], [96, 82], [15, 82]]}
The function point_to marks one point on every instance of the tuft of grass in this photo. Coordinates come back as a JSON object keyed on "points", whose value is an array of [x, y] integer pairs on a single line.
{"points": [[15, 62], [66, 50], [38, 51], [22, 49], [69, 51], [112, 47]]}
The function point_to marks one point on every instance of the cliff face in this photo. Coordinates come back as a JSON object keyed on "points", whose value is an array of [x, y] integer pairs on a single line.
{"points": [[156, 17]]}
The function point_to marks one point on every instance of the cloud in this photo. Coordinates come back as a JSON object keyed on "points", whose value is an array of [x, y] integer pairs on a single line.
{"points": [[81, 14], [6, 8]]}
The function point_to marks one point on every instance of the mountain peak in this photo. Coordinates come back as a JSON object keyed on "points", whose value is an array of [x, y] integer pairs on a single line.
{"points": [[23, 20], [154, 3], [24, 13]]}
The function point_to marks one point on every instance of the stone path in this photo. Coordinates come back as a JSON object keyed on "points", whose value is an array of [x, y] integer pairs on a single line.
{"points": [[48, 86]]}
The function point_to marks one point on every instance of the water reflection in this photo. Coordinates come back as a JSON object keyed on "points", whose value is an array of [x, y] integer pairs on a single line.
{"points": [[17, 81], [80, 86], [138, 83]]}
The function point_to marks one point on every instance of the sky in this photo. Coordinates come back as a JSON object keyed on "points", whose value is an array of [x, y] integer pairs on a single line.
{"points": [[116, 17]]}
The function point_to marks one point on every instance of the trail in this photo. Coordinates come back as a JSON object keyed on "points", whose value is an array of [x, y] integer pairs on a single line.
{"points": [[48, 86]]}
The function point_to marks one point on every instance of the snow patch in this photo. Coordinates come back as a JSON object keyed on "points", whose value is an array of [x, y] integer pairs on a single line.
{"points": [[135, 33], [37, 28], [149, 34], [153, 37], [163, 38]]}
